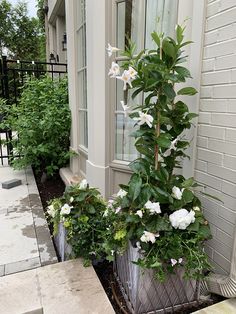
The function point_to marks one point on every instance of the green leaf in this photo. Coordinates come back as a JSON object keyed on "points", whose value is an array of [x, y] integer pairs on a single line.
{"points": [[187, 196], [169, 48], [190, 91], [135, 185], [205, 232], [179, 34], [194, 226], [182, 71], [156, 38], [163, 140], [169, 91], [188, 183], [136, 92], [191, 115], [212, 196]]}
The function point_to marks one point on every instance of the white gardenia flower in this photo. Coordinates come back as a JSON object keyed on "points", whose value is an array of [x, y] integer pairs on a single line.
{"points": [[51, 211], [65, 210], [121, 193], [182, 218], [83, 184], [196, 208], [153, 207], [180, 260], [149, 237], [177, 193], [126, 108], [114, 70], [144, 118], [139, 213], [126, 78], [111, 50], [132, 73]]}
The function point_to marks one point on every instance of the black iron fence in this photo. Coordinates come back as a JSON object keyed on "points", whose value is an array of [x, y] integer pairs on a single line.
{"points": [[13, 75]]}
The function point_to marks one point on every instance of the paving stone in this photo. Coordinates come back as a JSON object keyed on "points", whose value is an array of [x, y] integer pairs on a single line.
{"points": [[22, 265], [224, 307], [47, 254], [11, 183]]}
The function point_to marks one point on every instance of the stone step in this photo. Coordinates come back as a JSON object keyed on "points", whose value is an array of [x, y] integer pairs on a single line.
{"points": [[62, 288], [224, 307]]}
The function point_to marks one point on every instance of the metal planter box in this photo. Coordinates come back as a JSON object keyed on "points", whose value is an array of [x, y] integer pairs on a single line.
{"points": [[144, 294], [64, 249]]}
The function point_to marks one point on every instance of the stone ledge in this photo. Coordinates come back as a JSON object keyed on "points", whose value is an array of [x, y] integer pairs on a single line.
{"points": [[68, 178], [224, 307]]}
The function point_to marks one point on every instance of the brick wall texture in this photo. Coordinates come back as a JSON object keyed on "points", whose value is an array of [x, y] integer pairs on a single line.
{"points": [[216, 141]]}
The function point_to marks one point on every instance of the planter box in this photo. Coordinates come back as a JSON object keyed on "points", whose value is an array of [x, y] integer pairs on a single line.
{"points": [[63, 248], [144, 294]]}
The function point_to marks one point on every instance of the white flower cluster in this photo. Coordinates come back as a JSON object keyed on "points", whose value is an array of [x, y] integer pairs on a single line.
{"points": [[154, 208], [83, 184], [65, 210], [182, 218], [51, 211], [174, 261], [172, 146], [149, 237], [121, 193]]}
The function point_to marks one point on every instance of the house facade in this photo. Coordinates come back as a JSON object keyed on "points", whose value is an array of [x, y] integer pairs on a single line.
{"points": [[100, 132]]}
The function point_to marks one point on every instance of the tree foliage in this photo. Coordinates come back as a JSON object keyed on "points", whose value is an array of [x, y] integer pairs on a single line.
{"points": [[21, 36]]}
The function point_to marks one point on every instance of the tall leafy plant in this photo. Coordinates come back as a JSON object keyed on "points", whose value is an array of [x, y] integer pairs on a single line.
{"points": [[41, 121], [158, 210]]}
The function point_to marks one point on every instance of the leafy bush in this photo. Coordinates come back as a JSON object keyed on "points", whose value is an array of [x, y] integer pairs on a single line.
{"points": [[82, 211], [158, 210], [42, 122]]}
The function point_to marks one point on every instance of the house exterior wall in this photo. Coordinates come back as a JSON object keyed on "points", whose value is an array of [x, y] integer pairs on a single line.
{"points": [[216, 136]]}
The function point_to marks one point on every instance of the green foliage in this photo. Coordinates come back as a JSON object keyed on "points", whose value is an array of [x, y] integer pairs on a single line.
{"points": [[158, 211], [86, 223], [42, 121], [21, 35]]}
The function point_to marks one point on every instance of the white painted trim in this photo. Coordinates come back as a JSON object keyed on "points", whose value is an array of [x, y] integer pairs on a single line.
{"points": [[194, 32]]}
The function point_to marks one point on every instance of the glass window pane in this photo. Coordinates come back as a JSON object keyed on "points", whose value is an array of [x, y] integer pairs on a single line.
{"points": [[120, 40], [83, 128], [125, 149], [161, 16]]}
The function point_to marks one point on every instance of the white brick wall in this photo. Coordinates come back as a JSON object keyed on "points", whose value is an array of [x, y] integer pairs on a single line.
{"points": [[216, 143]]}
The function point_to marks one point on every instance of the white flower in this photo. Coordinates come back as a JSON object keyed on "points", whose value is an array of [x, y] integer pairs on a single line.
{"points": [[138, 245], [126, 108], [180, 260], [114, 70], [177, 193], [83, 184], [106, 212], [144, 118], [71, 199], [110, 203], [112, 252], [117, 210], [149, 237], [65, 210], [139, 213], [121, 193], [51, 211], [132, 73], [172, 146], [181, 218], [196, 208], [173, 262], [153, 207], [111, 49], [126, 78]]}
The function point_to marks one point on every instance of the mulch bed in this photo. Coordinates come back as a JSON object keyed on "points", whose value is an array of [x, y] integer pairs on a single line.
{"points": [[54, 187]]}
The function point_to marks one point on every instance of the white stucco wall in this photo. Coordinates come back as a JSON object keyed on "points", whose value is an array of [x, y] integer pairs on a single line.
{"points": [[216, 138]]}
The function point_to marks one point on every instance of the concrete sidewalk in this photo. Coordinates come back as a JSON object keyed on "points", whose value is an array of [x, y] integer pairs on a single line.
{"points": [[25, 240]]}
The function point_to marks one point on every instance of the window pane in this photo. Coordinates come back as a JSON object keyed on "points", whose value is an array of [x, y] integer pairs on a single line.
{"points": [[83, 128], [125, 149], [121, 25], [161, 16]]}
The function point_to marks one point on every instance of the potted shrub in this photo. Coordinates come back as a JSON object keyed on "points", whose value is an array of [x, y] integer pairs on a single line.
{"points": [[80, 223], [159, 224]]}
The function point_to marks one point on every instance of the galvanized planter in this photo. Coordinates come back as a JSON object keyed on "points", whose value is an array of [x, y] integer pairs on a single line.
{"points": [[64, 249], [144, 294]]}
